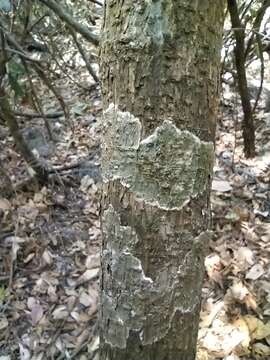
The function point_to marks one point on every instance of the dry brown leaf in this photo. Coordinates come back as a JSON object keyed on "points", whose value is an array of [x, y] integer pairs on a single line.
{"points": [[87, 276], [92, 261], [60, 313], [257, 329], [242, 326], [221, 185], [5, 205], [3, 323], [47, 257], [24, 352], [238, 291], [243, 257], [208, 316], [221, 340], [15, 241], [255, 272], [85, 299], [232, 357], [36, 314], [261, 350], [29, 258]]}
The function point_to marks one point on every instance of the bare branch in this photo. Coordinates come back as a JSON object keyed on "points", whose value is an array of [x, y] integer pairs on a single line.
{"points": [[66, 17], [31, 115]]}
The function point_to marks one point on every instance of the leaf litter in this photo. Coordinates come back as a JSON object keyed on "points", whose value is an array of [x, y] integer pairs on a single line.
{"points": [[235, 320], [50, 240]]}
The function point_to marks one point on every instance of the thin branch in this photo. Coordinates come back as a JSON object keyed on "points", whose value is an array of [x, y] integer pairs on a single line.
{"points": [[54, 115], [10, 39], [38, 69], [63, 14], [83, 54], [97, 2], [22, 54], [257, 24], [37, 103]]}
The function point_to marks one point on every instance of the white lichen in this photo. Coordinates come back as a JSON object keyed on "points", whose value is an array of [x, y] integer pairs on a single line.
{"points": [[165, 169], [128, 290]]}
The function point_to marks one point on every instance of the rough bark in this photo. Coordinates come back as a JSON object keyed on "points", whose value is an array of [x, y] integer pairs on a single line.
{"points": [[159, 72], [240, 58]]}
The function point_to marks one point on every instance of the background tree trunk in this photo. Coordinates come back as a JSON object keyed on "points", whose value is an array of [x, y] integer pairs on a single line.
{"points": [[159, 72], [240, 63], [35, 166], [6, 189]]}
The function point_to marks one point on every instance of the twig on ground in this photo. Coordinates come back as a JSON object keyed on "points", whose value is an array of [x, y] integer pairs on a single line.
{"points": [[29, 115]]}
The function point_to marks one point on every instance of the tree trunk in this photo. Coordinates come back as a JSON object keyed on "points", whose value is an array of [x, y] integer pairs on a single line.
{"points": [[35, 167], [6, 188], [240, 60], [159, 72]]}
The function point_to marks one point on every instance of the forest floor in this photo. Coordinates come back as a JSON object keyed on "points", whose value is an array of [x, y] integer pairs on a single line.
{"points": [[50, 238]]}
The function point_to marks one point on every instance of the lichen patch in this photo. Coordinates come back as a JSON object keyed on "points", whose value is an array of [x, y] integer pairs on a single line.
{"points": [[166, 169]]}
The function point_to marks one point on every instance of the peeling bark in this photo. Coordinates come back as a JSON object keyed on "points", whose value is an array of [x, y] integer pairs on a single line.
{"points": [[159, 71]]}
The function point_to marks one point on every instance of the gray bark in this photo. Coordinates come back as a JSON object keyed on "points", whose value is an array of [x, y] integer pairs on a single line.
{"points": [[159, 72]]}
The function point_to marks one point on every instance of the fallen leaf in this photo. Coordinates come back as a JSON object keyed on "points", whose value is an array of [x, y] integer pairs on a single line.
{"points": [[243, 257], [255, 272], [47, 257], [238, 291], [259, 349], [85, 299], [87, 276], [3, 323], [5, 205], [221, 341], [92, 261], [207, 317], [242, 326], [24, 353], [221, 186], [36, 314], [60, 313], [15, 241], [257, 329]]}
